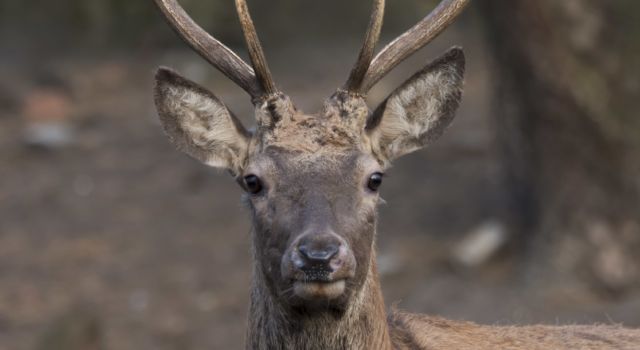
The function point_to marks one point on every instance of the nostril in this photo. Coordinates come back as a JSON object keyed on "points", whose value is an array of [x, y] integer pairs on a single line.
{"points": [[322, 254]]}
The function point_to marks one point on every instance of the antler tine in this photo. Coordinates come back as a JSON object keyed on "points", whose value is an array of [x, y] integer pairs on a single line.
{"points": [[256, 53], [359, 71], [210, 48], [413, 40]]}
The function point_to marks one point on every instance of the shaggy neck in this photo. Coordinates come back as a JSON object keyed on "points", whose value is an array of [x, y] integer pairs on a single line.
{"points": [[362, 326]]}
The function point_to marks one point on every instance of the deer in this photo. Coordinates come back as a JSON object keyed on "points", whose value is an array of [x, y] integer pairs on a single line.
{"points": [[311, 183]]}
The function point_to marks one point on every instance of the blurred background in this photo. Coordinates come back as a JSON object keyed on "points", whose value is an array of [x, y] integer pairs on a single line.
{"points": [[527, 210]]}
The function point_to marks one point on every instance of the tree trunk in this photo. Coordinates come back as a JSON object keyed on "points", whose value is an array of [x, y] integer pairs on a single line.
{"points": [[567, 127]]}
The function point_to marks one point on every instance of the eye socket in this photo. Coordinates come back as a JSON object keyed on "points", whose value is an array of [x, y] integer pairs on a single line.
{"points": [[375, 180], [253, 184]]}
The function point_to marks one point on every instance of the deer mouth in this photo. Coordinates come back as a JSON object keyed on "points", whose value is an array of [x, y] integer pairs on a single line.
{"points": [[313, 290]]}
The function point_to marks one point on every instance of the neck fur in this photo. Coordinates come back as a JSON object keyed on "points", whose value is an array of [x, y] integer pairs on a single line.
{"points": [[362, 326]]}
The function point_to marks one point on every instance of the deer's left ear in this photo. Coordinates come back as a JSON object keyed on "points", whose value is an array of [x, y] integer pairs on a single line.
{"points": [[198, 123], [420, 110]]}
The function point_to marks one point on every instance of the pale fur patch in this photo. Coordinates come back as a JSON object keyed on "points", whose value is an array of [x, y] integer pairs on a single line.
{"points": [[314, 290]]}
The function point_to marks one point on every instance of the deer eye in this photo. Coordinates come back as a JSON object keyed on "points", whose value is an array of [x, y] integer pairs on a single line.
{"points": [[252, 184], [375, 180]]}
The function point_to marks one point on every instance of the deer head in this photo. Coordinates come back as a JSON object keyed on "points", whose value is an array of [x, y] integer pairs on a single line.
{"points": [[312, 180]]}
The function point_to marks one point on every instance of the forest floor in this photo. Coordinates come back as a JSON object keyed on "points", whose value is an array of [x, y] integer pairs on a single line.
{"points": [[122, 232]]}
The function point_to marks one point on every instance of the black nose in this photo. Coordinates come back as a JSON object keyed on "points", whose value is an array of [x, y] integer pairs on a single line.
{"points": [[319, 253], [319, 257]]}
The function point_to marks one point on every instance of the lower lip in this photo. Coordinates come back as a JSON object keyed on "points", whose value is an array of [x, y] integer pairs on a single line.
{"points": [[319, 290]]}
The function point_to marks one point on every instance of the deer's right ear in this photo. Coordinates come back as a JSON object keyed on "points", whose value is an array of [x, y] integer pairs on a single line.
{"points": [[417, 112], [199, 124]]}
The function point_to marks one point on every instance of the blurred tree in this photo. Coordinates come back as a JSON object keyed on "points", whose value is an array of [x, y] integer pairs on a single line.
{"points": [[567, 126], [66, 24]]}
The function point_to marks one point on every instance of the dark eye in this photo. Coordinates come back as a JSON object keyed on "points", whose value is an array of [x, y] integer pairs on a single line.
{"points": [[252, 184], [375, 180]]}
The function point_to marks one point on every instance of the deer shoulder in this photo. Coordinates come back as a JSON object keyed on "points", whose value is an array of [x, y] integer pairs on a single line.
{"points": [[417, 331]]}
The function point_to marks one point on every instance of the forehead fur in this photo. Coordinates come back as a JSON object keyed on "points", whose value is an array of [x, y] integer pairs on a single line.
{"points": [[338, 128]]}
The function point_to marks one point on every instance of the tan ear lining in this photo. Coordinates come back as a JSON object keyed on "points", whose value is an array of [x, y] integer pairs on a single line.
{"points": [[419, 111], [198, 123]]}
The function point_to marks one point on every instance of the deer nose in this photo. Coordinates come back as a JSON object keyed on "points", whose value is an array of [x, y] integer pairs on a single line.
{"points": [[319, 254], [318, 257]]}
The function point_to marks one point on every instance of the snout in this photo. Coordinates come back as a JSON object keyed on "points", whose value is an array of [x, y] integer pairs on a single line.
{"points": [[319, 265]]}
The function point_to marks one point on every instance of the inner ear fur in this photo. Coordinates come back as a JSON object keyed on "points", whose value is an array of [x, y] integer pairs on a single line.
{"points": [[418, 111], [198, 123]]}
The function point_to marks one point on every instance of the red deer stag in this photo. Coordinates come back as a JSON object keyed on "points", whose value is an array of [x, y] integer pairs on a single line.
{"points": [[312, 183]]}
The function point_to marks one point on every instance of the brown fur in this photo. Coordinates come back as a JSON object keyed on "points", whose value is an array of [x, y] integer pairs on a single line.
{"points": [[340, 125], [362, 326]]}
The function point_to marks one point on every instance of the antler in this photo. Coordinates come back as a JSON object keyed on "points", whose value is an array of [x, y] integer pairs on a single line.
{"points": [[359, 71], [258, 83], [255, 49], [411, 41]]}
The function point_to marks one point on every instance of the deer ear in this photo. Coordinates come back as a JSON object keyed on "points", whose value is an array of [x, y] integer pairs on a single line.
{"points": [[419, 111], [199, 124]]}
